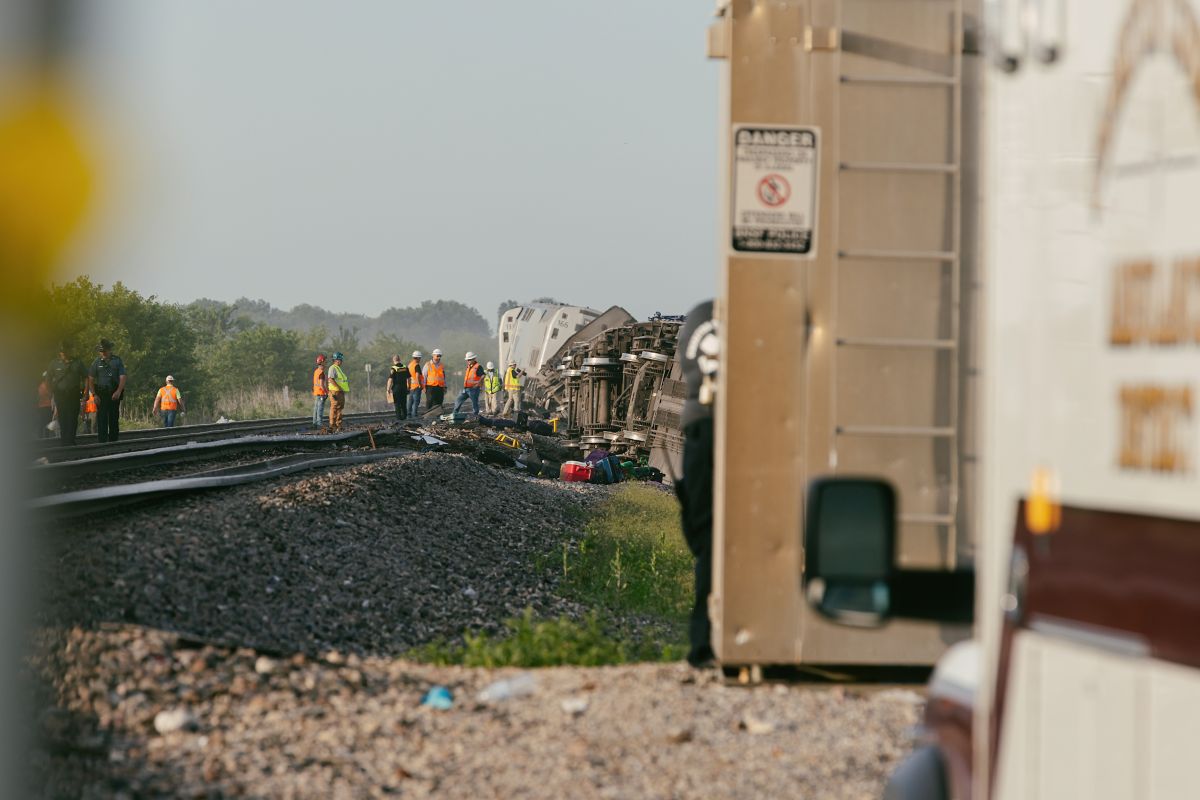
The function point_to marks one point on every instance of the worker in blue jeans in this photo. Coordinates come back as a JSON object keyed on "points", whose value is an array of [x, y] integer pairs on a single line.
{"points": [[472, 384]]}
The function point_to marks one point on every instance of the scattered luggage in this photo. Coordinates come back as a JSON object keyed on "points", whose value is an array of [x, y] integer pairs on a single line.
{"points": [[576, 472]]}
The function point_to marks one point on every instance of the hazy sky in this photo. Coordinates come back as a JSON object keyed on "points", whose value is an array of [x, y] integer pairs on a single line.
{"points": [[369, 154]]}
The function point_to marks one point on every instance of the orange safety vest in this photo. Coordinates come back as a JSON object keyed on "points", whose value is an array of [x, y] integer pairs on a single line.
{"points": [[90, 406], [415, 379], [319, 389], [168, 397], [437, 374], [474, 376]]}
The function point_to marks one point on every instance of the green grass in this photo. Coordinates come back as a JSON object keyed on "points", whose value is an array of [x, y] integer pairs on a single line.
{"points": [[632, 558], [629, 565]]}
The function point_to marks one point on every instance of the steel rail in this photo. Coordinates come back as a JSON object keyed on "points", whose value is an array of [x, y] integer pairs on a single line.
{"points": [[67, 504], [191, 451], [198, 433]]}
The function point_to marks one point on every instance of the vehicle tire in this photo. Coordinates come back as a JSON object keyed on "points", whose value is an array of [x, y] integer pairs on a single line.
{"points": [[921, 776]]}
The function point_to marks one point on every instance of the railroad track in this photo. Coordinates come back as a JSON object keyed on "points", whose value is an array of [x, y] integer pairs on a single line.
{"points": [[88, 447], [127, 473]]}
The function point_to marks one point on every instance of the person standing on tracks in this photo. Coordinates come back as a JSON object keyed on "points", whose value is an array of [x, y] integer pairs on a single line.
{"points": [[416, 382], [698, 338], [89, 410], [169, 401], [67, 379], [512, 388], [491, 389], [472, 383], [320, 390], [339, 387], [397, 387], [435, 381], [106, 377], [45, 408]]}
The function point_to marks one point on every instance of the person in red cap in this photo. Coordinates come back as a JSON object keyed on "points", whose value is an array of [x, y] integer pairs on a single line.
{"points": [[320, 390]]}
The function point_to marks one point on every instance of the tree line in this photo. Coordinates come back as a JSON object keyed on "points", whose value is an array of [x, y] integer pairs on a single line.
{"points": [[218, 351]]}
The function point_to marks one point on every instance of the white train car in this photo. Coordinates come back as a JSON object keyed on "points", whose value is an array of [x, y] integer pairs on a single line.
{"points": [[531, 334]]}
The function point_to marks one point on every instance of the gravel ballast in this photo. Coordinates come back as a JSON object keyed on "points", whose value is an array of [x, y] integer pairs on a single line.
{"points": [[249, 642]]}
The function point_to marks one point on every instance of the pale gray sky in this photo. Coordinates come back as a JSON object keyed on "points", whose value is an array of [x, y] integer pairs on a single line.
{"points": [[368, 154]]}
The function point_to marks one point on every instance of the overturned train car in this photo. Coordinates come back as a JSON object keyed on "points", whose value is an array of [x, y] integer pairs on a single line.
{"points": [[617, 388]]}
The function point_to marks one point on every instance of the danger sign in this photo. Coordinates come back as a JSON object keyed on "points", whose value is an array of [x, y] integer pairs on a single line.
{"points": [[774, 184]]}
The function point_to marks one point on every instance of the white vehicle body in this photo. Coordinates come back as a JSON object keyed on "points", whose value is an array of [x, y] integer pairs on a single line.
{"points": [[1092, 357], [531, 334]]}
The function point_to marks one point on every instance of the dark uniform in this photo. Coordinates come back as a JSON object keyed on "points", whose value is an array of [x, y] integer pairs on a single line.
{"points": [[399, 376], [697, 341], [106, 373], [68, 384]]}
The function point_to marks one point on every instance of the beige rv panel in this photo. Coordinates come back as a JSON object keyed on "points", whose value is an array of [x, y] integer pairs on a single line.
{"points": [[849, 361]]}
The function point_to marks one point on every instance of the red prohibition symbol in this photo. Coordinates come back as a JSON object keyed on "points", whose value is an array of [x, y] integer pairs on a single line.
{"points": [[774, 190]]}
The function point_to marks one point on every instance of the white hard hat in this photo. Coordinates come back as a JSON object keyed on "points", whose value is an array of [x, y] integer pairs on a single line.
{"points": [[417, 354], [470, 356], [437, 352], [490, 365], [170, 378]]}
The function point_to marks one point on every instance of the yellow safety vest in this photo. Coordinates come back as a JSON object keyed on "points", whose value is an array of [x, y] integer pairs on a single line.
{"points": [[491, 383], [338, 382], [512, 381]]}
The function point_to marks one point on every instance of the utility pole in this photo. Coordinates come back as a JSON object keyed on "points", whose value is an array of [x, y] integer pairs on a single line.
{"points": [[368, 369]]}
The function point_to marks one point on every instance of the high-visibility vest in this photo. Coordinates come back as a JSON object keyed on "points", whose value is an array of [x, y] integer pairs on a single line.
{"points": [[319, 389], [512, 381], [338, 382], [474, 376], [168, 398], [491, 383], [90, 406], [415, 379], [435, 374], [394, 375]]}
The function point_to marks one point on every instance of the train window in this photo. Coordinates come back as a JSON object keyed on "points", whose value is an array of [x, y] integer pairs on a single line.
{"points": [[506, 336], [554, 333]]}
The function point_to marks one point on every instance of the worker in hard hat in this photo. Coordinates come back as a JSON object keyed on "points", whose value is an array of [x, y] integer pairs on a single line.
{"points": [[89, 412], [320, 390], [339, 387], [416, 382], [491, 389], [435, 381], [512, 387], [169, 401], [397, 386], [472, 383]]}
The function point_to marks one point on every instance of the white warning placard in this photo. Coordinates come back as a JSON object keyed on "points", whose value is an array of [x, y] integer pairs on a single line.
{"points": [[774, 189]]}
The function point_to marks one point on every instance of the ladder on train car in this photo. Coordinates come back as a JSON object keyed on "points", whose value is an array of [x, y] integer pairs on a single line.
{"points": [[910, 324]]}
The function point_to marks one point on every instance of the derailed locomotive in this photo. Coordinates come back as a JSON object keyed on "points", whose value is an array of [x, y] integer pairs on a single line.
{"points": [[614, 384]]}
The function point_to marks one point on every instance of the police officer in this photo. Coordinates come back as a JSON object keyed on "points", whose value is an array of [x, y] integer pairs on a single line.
{"points": [[67, 379], [106, 377], [397, 386], [698, 343]]}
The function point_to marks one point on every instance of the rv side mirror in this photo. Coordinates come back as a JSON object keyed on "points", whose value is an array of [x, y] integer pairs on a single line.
{"points": [[849, 545], [850, 572]]}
